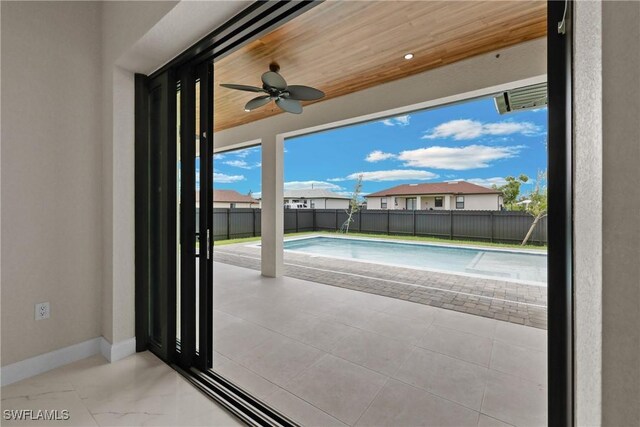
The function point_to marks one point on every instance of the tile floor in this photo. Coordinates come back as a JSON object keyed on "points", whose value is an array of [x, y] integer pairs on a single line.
{"points": [[323, 355], [329, 356], [140, 390]]}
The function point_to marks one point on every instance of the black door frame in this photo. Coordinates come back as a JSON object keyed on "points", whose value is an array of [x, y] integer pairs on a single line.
{"points": [[258, 19]]}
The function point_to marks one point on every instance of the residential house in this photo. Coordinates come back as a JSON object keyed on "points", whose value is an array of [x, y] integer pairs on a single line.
{"points": [[315, 198], [232, 199], [455, 195]]}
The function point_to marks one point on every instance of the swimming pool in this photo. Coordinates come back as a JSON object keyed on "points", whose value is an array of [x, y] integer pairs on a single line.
{"points": [[519, 266]]}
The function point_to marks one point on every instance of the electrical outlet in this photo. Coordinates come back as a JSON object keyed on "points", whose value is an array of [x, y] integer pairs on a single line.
{"points": [[43, 311]]}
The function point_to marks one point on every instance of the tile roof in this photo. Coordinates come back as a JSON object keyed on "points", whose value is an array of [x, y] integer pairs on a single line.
{"points": [[458, 187], [315, 193], [232, 196]]}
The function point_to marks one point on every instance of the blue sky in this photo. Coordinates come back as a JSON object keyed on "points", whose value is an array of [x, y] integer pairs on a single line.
{"points": [[468, 141]]}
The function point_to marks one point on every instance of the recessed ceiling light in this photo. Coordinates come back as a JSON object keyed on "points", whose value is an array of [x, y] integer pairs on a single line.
{"points": [[408, 56], [246, 110]]}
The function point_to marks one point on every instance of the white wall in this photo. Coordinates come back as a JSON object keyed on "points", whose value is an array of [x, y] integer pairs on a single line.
{"points": [[51, 180], [337, 204], [478, 202]]}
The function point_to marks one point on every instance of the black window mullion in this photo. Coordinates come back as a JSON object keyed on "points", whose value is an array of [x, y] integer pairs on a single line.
{"points": [[187, 216], [205, 348]]}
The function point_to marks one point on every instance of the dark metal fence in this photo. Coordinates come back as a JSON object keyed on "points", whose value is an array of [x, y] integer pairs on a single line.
{"points": [[490, 226]]}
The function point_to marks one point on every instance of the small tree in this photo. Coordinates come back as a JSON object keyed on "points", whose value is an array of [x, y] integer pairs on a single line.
{"points": [[511, 190], [354, 205], [538, 206]]}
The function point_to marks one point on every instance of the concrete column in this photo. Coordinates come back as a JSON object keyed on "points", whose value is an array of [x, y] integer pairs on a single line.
{"points": [[418, 203], [447, 203], [272, 215]]}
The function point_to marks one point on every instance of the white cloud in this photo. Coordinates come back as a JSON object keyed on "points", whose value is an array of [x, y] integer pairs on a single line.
{"points": [[397, 121], [245, 152], [470, 129], [487, 182], [377, 155], [390, 175], [457, 158], [218, 156], [238, 164], [307, 185], [225, 179]]}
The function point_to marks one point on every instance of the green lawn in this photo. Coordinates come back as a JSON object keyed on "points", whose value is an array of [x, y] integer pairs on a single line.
{"points": [[392, 237]]}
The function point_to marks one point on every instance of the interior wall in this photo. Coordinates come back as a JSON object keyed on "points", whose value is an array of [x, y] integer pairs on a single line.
{"points": [[51, 181]]}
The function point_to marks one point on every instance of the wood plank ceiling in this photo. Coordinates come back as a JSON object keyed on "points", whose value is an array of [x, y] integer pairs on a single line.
{"points": [[346, 46]]}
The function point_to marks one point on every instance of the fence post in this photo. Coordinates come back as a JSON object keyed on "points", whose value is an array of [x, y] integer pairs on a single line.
{"points": [[450, 224], [388, 221], [337, 228], [315, 228], [297, 220], [360, 221], [253, 222], [491, 217], [228, 223], [414, 222]]}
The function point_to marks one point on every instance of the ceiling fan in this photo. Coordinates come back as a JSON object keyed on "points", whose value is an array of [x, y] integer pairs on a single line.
{"points": [[287, 97]]}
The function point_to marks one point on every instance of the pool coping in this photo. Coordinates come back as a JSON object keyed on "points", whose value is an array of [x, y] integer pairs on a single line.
{"points": [[434, 270]]}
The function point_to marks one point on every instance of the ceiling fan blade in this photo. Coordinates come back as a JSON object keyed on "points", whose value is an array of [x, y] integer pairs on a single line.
{"points": [[275, 80], [242, 87], [304, 93], [289, 105], [257, 102]]}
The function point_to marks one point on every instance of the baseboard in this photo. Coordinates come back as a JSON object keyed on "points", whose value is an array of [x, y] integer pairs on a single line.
{"points": [[115, 352], [45, 362], [54, 359]]}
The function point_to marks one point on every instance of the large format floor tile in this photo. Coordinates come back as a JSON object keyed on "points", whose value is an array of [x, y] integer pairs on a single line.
{"points": [[519, 361], [138, 390], [399, 404], [515, 401], [280, 359], [453, 379], [300, 411], [321, 355], [374, 351], [461, 345], [338, 387]]}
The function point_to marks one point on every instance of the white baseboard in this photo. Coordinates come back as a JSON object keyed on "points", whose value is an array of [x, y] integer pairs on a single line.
{"points": [[117, 351], [45, 362], [33, 366]]}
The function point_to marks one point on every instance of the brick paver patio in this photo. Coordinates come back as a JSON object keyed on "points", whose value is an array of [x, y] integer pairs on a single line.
{"points": [[497, 299]]}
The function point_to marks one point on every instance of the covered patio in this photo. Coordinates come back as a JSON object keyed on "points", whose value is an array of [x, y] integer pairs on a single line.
{"points": [[331, 356]]}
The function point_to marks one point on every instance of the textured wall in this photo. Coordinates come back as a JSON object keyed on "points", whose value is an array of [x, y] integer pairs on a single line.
{"points": [[621, 227], [51, 175], [588, 211]]}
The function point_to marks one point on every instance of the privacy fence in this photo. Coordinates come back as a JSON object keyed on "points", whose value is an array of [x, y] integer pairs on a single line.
{"points": [[490, 226]]}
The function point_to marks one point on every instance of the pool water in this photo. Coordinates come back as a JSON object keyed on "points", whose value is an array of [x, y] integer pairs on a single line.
{"points": [[497, 264]]}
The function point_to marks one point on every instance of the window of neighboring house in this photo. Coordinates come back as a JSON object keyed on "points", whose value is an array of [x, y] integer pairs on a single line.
{"points": [[460, 202], [232, 205], [383, 203], [313, 204], [439, 202]]}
